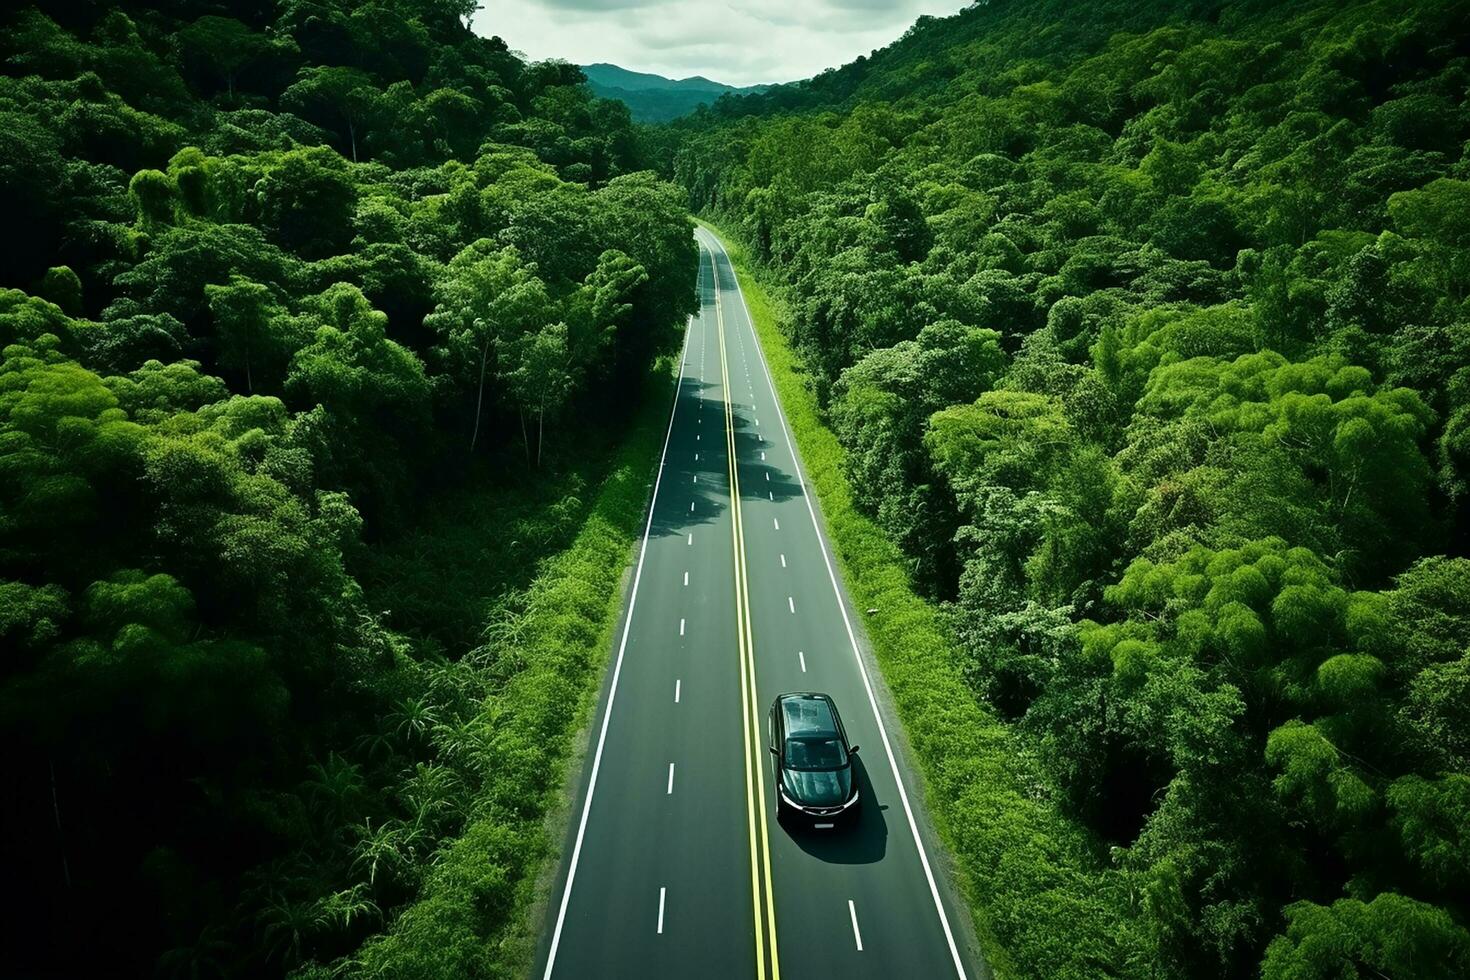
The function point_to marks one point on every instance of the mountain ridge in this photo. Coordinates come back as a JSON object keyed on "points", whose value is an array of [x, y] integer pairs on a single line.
{"points": [[657, 98]]}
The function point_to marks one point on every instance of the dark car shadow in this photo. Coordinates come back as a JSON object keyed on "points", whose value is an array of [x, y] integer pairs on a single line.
{"points": [[862, 842]]}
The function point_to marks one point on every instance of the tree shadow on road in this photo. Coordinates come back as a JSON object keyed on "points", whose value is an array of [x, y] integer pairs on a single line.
{"points": [[759, 478], [710, 495]]}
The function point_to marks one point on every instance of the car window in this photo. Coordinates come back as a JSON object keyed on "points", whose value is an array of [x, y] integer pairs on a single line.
{"points": [[815, 753]]}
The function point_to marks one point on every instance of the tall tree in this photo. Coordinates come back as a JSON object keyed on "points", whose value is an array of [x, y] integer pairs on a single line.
{"points": [[486, 297], [340, 98]]}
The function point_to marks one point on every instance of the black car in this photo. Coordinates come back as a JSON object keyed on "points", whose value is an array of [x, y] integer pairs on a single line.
{"points": [[814, 778]]}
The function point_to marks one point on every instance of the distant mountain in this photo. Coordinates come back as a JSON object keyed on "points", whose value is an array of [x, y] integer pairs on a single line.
{"points": [[654, 98]]}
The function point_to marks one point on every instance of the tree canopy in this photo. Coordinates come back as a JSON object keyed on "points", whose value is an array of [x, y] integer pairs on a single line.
{"points": [[286, 288]]}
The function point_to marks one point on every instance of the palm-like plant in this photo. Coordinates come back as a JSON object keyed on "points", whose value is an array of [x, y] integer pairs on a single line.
{"points": [[507, 625], [412, 718], [463, 743], [377, 743], [336, 789], [388, 848], [381, 643], [453, 687], [505, 630], [431, 794], [340, 909]]}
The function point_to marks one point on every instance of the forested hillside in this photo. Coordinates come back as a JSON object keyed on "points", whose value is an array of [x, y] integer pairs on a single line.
{"points": [[300, 301], [654, 98], [1144, 327]]}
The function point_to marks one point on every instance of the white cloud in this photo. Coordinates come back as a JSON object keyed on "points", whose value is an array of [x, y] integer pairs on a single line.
{"points": [[742, 42]]}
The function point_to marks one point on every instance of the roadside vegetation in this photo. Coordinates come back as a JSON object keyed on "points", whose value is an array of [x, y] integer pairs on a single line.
{"points": [[1140, 330], [522, 694], [322, 333]]}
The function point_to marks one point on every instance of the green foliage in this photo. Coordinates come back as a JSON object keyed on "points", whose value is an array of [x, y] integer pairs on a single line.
{"points": [[1185, 511], [352, 368], [1432, 817], [471, 916], [63, 287], [306, 199], [235, 625], [487, 300], [1390, 936], [221, 47], [255, 335], [879, 409]]}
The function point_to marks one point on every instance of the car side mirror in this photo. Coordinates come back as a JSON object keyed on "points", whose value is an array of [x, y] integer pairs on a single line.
{"points": [[853, 750], [773, 750]]}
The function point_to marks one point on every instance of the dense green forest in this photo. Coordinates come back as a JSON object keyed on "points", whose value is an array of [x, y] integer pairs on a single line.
{"points": [[299, 301], [1144, 328]]}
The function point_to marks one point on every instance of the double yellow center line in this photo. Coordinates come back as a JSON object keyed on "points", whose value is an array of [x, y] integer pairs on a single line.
{"points": [[755, 783]]}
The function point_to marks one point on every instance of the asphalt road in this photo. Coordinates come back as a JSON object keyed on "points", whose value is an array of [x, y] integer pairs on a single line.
{"points": [[675, 864]]}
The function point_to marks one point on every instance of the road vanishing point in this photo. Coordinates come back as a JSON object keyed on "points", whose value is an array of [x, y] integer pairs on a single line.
{"points": [[675, 864]]}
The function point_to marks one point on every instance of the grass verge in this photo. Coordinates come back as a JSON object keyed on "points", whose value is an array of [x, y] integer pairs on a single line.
{"points": [[479, 911], [1043, 907]]}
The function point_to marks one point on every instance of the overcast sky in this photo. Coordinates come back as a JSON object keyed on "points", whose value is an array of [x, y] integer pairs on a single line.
{"points": [[741, 42]]}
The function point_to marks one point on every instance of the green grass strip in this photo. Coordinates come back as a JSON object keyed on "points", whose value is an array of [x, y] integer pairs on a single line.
{"points": [[1042, 905], [480, 909]]}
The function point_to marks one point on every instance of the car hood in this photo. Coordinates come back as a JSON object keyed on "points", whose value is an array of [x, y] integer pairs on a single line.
{"points": [[829, 787]]}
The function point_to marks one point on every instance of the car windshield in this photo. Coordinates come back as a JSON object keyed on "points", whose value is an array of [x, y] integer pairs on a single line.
{"points": [[824, 752]]}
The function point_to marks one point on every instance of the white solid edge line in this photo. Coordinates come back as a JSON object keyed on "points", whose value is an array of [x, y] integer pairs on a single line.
{"points": [[903, 795], [661, 911], [856, 935], [612, 690]]}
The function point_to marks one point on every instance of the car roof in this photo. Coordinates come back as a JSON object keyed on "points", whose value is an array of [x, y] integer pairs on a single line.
{"points": [[808, 714]]}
